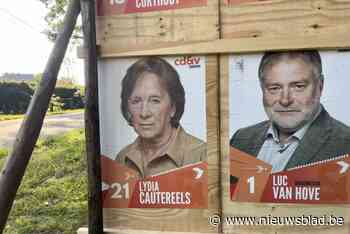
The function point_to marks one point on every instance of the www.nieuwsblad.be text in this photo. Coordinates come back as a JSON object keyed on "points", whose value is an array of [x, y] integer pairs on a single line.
{"points": [[303, 220]]}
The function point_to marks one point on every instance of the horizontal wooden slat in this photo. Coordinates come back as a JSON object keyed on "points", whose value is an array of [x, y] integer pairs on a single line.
{"points": [[285, 18], [133, 231], [246, 45]]}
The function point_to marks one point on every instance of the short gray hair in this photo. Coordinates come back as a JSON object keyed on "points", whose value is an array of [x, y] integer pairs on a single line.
{"points": [[311, 57]]}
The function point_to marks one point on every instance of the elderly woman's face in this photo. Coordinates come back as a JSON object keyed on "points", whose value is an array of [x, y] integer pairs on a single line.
{"points": [[150, 108]]}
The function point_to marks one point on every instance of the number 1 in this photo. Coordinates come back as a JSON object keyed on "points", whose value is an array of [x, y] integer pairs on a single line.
{"points": [[251, 182]]}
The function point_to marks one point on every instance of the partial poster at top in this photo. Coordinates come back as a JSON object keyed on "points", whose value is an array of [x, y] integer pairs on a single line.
{"points": [[153, 132], [234, 2], [289, 127], [119, 7]]}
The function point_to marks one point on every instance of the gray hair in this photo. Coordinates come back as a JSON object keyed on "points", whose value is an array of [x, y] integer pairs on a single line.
{"points": [[311, 57]]}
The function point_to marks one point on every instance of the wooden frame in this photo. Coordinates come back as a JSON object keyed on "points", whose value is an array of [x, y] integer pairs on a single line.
{"points": [[247, 39], [95, 220]]}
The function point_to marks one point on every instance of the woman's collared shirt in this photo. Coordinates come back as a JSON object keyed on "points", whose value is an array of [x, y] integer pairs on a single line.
{"points": [[183, 150]]}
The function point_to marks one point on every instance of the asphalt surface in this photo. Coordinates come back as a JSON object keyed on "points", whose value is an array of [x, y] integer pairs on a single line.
{"points": [[53, 125]]}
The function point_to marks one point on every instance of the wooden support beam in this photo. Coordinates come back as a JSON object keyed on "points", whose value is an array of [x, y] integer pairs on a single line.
{"points": [[92, 118], [11, 175], [227, 46]]}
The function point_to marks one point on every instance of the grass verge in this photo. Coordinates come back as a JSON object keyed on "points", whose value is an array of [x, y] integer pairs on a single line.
{"points": [[53, 195], [4, 117], [3, 153]]}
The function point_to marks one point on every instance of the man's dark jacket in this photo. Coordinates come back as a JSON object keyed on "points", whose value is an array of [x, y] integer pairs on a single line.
{"points": [[326, 138]]}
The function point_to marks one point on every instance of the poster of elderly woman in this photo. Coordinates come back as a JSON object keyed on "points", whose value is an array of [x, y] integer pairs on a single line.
{"points": [[153, 132]]}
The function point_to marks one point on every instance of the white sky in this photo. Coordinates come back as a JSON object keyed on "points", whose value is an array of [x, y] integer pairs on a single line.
{"points": [[23, 48]]}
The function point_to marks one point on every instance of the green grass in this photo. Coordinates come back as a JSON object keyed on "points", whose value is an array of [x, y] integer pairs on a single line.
{"points": [[3, 153], [53, 195], [65, 111], [4, 117]]}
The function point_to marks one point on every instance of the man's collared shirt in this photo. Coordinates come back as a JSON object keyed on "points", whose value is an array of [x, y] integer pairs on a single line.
{"points": [[183, 150], [274, 152]]}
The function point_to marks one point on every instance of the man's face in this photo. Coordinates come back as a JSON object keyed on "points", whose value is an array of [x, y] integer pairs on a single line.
{"points": [[150, 108], [291, 94]]}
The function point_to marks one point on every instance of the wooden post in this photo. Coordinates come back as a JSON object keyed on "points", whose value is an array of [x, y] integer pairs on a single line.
{"points": [[11, 175], [92, 118]]}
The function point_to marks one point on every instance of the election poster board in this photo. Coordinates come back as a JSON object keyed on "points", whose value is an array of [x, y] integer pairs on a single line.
{"points": [[139, 28], [125, 186], [316, 182]]}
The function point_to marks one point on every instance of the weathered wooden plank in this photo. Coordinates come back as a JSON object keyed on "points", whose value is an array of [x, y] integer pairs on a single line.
{"points": [[132, 231], [28, 134], [236, 45], [159, 28], [284, 18], [92, 118]]}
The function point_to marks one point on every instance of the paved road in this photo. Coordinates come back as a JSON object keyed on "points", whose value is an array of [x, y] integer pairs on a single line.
{"points": [[53, 125]]}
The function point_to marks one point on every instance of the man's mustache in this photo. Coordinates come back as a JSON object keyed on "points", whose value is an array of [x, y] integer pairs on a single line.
{"points": [[281, 109]]}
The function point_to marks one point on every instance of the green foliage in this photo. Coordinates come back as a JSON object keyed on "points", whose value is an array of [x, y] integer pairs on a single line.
{"points": [[4, 117], [55, 104], [53, 195], [14, 97], [54, 18], [35, 82], [67, 95], [64, 92], [70, 97], [3, 153]]}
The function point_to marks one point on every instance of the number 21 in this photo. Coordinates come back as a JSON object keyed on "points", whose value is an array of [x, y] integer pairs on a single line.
{"points": [[121, 191]]}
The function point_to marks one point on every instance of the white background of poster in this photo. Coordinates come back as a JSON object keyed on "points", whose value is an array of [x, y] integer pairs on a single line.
{"points": [[245, 95], [115, 133]]}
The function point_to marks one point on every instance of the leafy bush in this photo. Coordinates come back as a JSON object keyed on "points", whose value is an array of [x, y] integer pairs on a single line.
{"points": [[14, 97], [55, 104], [53, 195], [3, 153], [70, 97]]}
